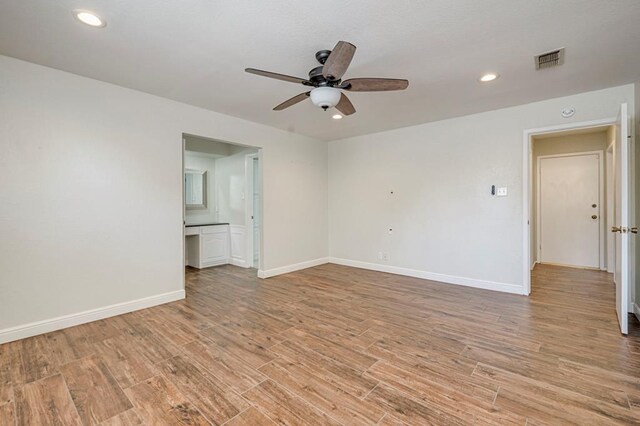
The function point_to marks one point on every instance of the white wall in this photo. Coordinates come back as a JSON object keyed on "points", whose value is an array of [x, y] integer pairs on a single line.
{"points": [[444, 219], [91, 192], [204, 162], [230, 188]]}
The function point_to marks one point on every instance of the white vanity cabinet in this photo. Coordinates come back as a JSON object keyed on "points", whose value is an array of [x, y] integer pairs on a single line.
{"points": [[207, 245]]}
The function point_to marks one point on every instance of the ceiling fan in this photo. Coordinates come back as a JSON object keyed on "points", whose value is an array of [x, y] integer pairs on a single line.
{"points": [[327, 84]]}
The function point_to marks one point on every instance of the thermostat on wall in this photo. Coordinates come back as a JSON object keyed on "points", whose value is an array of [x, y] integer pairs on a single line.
{"points": [[568, 112]]}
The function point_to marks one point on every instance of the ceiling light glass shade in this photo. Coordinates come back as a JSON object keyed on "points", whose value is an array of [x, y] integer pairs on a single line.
{"points": [[325, 97], [89, 18], [488, 77]]}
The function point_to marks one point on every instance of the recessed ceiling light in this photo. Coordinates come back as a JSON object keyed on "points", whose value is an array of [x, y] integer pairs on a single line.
{"points": [[336, 116], [489, 77], [89, 18]]}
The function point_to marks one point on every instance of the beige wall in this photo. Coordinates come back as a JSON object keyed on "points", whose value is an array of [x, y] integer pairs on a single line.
{"points": [[564, 144]]}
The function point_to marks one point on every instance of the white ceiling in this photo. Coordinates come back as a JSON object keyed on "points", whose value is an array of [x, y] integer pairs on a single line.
{"points": [[195, 51]]}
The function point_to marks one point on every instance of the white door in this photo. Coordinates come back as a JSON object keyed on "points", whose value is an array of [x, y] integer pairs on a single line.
{"points": [[621, 226], [569, 189]]}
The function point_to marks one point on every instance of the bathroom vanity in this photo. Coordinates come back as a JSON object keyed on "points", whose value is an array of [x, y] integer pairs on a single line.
{"points": [[207, 245]]}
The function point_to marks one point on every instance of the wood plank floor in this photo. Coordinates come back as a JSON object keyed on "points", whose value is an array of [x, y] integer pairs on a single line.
{"points": [[333, 345]]}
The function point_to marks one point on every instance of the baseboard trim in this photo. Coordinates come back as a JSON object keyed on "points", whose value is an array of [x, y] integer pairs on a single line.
{"points": [[239, 262], [636, 310], [292, 268], [45, 326], [449, 279], [533, 265]]}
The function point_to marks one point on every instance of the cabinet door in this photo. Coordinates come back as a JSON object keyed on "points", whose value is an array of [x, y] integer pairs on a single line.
{"points": [[215, 247]]}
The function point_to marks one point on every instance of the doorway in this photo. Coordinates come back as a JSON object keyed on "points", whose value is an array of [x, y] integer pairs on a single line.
{"points": [[617, 209], [568, 193], [570, 216], [221, 219]]}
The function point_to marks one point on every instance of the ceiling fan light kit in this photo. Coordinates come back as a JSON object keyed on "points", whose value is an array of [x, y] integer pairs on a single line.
{"points": [[325, 97], [327, 82]]}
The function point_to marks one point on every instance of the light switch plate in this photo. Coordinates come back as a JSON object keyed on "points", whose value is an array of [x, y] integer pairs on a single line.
{"points": [[501, 192]]}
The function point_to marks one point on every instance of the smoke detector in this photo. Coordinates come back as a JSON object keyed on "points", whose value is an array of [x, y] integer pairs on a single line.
{"points": [[549, 59]]}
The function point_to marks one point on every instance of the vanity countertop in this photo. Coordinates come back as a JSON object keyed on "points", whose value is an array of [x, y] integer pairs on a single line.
{"points": [[207, 224]]}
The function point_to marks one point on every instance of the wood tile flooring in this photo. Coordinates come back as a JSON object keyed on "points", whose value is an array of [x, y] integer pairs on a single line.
{"points": [[334, 345]]}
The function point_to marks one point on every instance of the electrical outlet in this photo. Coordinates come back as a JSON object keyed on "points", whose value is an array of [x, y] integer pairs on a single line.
{"points": [[380, 255], [385, 257], [390, 231]]}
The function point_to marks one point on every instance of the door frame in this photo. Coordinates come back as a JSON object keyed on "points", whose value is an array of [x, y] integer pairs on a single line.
{"points": [[248, 211], [610, 183], [184, 216], [601, 231], [527, 184]]}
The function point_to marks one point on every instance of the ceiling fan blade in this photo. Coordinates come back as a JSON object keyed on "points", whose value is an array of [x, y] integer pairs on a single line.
{"points": [[338, 61], [278, 76], [345, 106], [374, 84], [289, 102]]}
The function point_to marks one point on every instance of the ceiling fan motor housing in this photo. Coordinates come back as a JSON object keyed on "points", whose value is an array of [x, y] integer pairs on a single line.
{"points": [[325, 97]]}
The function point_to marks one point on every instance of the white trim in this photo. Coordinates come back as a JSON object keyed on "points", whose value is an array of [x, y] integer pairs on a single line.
{"points": [[601, 183], [526, 185], [65, 321], [183, 277], [610, 201], [633, 244], [636, 310], [218, 262], [292, 268], [450, 279], [240, 263], [533, 264], [250, 209]]}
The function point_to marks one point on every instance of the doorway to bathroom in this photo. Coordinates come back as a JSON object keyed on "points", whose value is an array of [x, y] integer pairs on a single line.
{"points": [[222, 187]]}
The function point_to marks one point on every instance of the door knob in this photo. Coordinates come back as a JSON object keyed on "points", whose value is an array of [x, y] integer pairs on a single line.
{"points": [[616, 229], [594, 216]]}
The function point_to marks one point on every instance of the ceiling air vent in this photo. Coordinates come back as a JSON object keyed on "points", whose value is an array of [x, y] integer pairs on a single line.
{"points": [[550, 59]]}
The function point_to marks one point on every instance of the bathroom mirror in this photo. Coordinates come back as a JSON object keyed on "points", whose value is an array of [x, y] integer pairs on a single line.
{"points": [[195, 189]]}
